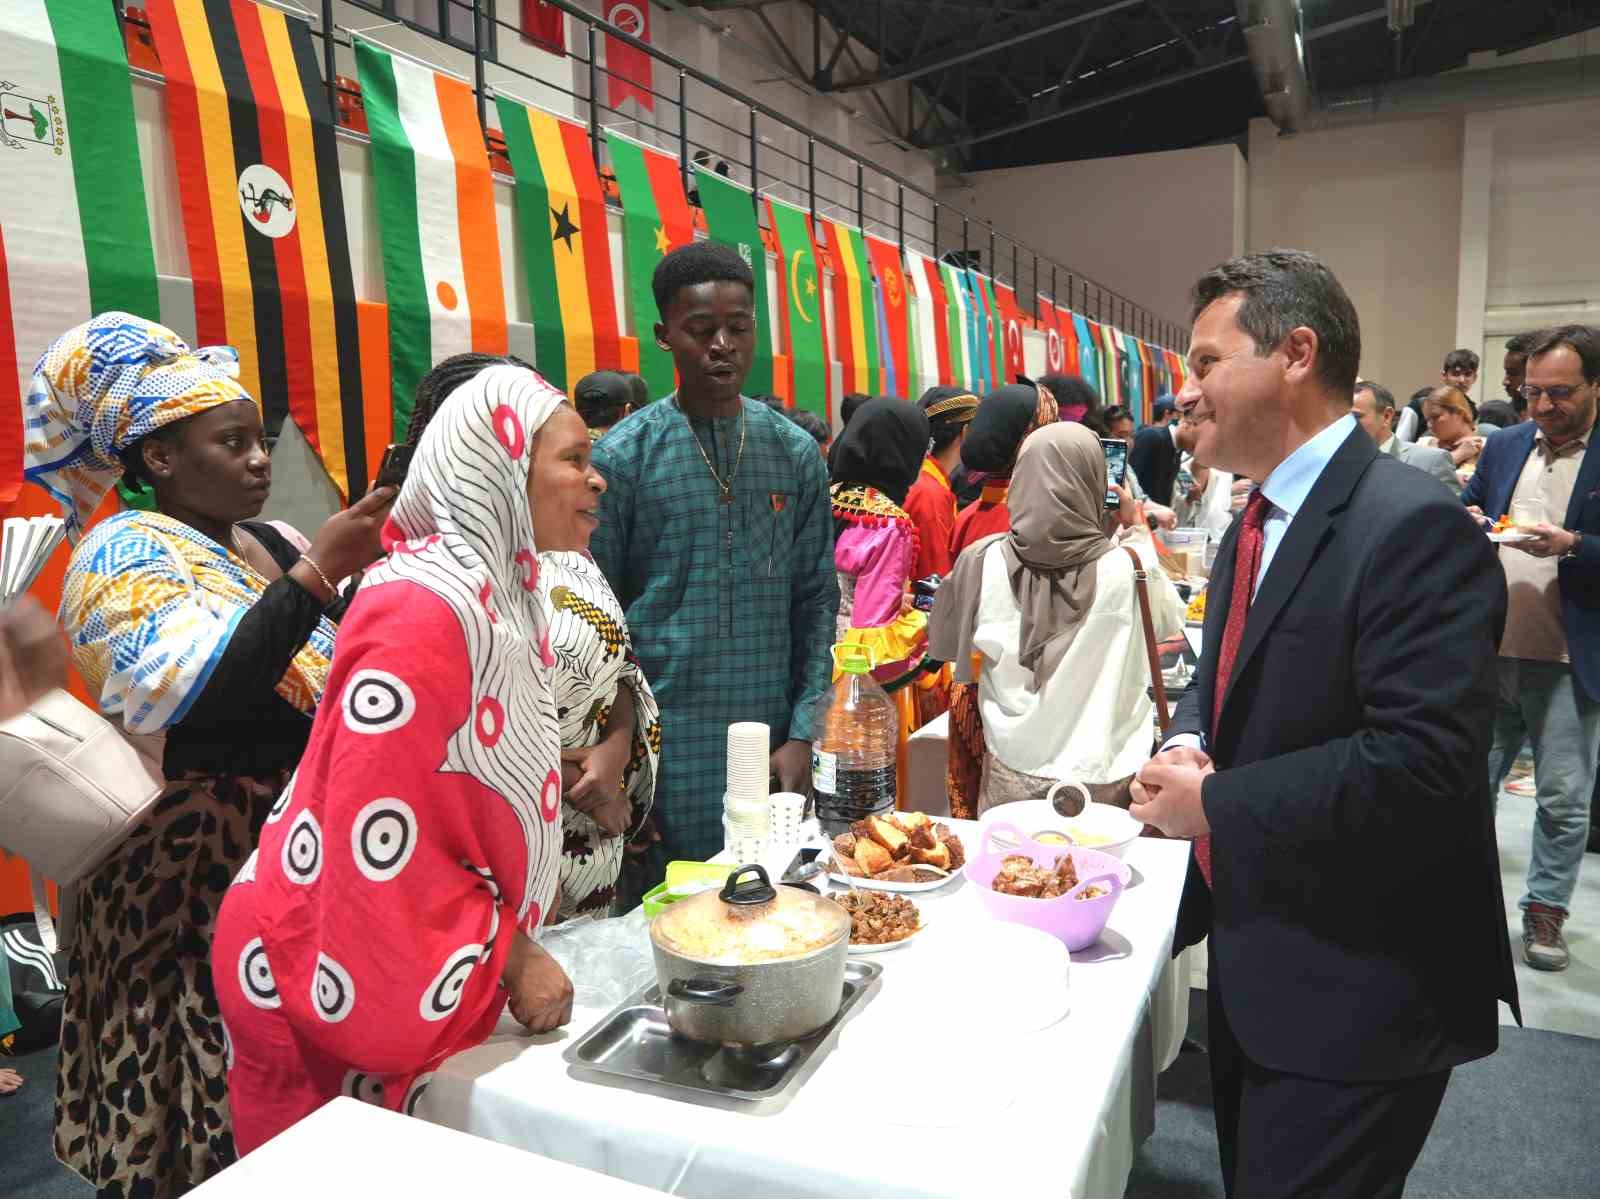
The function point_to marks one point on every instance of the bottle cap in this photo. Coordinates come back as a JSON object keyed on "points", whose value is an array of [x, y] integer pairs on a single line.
{"points": [[852, 659]]}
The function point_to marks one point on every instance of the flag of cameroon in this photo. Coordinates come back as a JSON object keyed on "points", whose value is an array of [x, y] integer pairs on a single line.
{"points": [[263, 215], [565, 248], [655, 220]]}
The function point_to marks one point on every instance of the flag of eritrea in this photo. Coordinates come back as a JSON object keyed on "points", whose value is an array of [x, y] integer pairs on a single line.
{"points": [[655, 220]]}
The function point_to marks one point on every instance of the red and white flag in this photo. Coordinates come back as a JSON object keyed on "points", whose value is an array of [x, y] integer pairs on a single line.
{"points": [[628, 67]]}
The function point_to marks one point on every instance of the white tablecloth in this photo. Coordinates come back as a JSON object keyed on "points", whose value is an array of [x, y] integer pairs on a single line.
{"points": [[1060, 1111], [349, 1148]]}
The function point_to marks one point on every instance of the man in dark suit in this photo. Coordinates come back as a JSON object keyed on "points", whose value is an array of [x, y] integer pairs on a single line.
{"points": [[1155, 453], [1329, 759], [1549, 667]]}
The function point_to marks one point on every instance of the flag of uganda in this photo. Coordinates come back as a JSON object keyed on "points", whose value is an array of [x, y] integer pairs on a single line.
{"points": [[263, 214]]}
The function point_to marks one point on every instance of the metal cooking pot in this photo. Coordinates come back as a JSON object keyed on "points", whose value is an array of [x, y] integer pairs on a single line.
{"points": [[751, 965]]}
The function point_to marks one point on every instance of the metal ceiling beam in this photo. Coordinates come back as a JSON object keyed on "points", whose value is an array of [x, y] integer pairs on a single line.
{"points": [[1361, 18], [1004, 36], [1097, 102], [783, 46]]}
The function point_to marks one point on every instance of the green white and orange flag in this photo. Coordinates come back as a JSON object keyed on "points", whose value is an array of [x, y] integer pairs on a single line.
{"points": [[74, 232], [566, 251], [855, 318], [930, 323], [441, 250], [731, 219], [655, 220], [263, 216], [807, 338]]}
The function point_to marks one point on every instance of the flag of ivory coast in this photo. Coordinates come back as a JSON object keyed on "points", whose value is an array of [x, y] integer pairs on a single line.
{"points": [[655, 220], [441, 251], [74, 233], [263, 216], [565, 248]]}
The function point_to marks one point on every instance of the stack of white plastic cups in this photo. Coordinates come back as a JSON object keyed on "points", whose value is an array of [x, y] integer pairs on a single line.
{"points": [[746, 816]]}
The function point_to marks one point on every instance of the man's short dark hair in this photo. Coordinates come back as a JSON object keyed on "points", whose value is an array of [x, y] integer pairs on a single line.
{"points": [[771, 401], [812, 424], [1582, 340], [1070, 390], [1382, 397], [1461, 360], [849, 405], [696, 263], [601, 396], [1498, 413], [1114, 414], [640, 390], [1283, 290], [1519, 343]]}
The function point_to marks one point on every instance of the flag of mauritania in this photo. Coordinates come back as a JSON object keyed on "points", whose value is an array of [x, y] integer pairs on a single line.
{"points": [[263, 216], [855, 324], [566, 251], [655, 219], [74, 233], [802, 293], [731, 219], [441, 251]]}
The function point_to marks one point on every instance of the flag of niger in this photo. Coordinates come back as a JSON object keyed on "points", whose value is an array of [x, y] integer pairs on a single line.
{"points": [[263, 215]]}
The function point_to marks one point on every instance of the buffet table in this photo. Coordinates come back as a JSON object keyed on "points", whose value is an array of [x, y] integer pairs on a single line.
{"points": [[1060, 1110]]}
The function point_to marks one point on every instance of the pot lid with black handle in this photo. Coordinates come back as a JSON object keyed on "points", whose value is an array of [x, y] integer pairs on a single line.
{"points": [[749, 920]]}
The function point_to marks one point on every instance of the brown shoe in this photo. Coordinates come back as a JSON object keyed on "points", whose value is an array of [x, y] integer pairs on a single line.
{"points": [[1543, 946]]}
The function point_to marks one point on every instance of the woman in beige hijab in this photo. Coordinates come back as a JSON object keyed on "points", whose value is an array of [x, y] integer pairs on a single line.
{"points": [[1054, 614]]}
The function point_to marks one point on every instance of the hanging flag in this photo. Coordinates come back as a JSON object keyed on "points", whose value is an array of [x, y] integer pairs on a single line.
{"points": [[807, 339], [1132, 376], [894, 347], [930, 323], [628, 67], [963, 336], [566, 251], [1113, 368], [545, 26], [1089, 356], [990, 333], [435, 199], [855, 323], [1011, 325], [655, 219], [1055, 347], [731, 219], [1070, 349], [74, 233], [263, 216]]}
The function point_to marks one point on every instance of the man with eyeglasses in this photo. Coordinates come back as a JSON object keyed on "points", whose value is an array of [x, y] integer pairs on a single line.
{"points": [[1547, 473]]}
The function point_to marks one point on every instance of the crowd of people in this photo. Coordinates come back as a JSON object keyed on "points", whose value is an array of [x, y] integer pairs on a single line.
{"points": [[498, 696]]}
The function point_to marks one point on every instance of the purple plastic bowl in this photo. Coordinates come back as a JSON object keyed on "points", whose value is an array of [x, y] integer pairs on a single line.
{"points": [[1076, 923]]}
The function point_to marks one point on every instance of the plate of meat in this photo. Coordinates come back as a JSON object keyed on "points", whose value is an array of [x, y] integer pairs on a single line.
{"points": [[880, 921], [898, 851]]}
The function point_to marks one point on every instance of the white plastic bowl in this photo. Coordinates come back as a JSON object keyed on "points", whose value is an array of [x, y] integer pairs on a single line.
{"points": [[1099, 826]]}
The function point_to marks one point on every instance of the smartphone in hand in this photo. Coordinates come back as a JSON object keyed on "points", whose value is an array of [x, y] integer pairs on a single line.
{"points": [[1116, 452], [396, 463]]}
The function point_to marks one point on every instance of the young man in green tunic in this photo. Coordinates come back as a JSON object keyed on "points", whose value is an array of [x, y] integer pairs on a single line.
{"points": [[717, 537]]}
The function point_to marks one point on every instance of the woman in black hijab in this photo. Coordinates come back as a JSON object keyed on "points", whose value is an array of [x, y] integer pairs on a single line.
{"points": [[876, 461]]}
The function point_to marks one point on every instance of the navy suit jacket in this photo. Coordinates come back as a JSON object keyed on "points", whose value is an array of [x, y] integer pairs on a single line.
{"points": [[1356, 921], [1490, 488]]}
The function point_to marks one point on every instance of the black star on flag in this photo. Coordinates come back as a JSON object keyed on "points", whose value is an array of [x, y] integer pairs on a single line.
{"points": [[564, 226]]}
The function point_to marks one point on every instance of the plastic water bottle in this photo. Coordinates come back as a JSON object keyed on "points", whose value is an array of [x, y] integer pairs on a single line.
{"points": [[853, 754]]}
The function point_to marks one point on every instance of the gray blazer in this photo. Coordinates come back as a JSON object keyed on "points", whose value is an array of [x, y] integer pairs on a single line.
{"points": [[1429, 460]]}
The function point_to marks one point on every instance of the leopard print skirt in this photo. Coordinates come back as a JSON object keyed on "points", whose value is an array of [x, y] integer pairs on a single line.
{"points": [[141, 1104]]}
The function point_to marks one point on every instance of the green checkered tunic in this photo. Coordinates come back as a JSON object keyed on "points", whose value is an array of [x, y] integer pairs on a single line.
{"points": [[731, 606]]}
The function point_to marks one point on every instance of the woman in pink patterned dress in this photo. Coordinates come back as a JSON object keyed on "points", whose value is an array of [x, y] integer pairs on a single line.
{"points": [[396, 899]]}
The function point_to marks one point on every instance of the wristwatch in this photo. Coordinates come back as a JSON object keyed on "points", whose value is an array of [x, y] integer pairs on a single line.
{"points": [[1577, 544]]}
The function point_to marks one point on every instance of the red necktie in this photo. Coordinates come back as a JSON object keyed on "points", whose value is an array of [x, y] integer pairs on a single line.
{"points": [[1246, 562]]}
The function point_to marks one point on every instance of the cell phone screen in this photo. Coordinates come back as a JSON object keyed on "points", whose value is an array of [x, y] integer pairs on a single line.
{"points": [[1116, 452]]}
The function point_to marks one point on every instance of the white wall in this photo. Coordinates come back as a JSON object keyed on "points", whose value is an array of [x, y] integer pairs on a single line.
{"points": [[1145, 225]]}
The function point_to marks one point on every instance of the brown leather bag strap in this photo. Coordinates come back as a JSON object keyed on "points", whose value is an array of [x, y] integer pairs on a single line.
{"points": [[1140, 581]]}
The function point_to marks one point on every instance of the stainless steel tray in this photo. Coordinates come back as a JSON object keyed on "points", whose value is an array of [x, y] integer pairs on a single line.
{"points": [[634, 1043]]}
